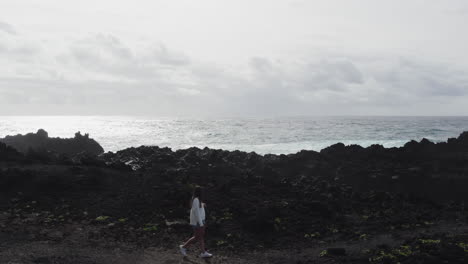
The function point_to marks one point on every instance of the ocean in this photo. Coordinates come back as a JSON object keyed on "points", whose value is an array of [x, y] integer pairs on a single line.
{"points": [[282, 135]]}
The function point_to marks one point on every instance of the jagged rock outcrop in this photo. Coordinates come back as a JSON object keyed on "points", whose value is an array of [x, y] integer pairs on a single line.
{"points": [[41, 142]]}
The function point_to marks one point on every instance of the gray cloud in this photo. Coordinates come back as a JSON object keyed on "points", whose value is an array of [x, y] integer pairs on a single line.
{"points": [[100, 74], [424, 79], [355, 85], [5, 27], [354, 57], [14, 46], [106, 55], [262, 65], [166, 56]]}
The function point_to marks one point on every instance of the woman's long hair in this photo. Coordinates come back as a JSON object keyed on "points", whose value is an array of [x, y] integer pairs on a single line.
{"points": [[197, 193]]}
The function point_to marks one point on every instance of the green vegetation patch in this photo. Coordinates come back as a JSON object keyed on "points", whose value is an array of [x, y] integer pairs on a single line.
{"points": [[323, 253], [429, 241], [464, 246], [102, 218], [150, 228]]}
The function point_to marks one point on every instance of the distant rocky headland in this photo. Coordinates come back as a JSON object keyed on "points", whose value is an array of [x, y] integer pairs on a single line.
{"points": [[333, 201], [41, 142]]}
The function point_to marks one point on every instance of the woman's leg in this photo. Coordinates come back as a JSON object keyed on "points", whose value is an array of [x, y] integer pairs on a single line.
{"points": [[201, 238], [191, 240]]}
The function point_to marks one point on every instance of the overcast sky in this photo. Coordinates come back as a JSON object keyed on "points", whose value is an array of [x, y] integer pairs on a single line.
{"points": [[234, 57]]}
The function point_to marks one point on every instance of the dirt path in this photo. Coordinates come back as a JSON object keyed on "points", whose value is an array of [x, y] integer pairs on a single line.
{"points": [[20, 250], [44, 252]]}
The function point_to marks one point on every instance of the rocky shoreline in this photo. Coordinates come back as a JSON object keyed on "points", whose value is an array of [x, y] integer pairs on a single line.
{"points": [[342, 204]]}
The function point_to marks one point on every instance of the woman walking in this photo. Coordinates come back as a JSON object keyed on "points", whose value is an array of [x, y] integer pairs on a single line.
{"points": [[197, 221]]}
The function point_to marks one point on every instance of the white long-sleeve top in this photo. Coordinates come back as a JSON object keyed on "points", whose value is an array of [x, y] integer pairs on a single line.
{"points": [[197, 213]]}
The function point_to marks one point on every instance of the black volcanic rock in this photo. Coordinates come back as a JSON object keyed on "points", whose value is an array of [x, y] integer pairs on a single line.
{"points": [[463, 139], [8, 153], [346, 192], [41, 142]]}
